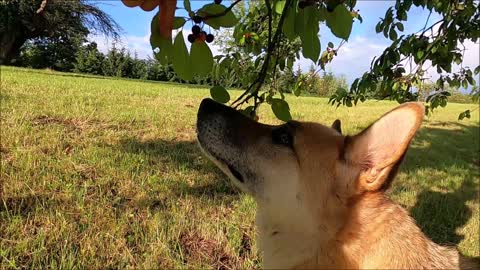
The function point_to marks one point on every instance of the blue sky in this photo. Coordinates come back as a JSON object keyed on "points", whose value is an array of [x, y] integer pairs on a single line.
{"points": [[353, 59]]}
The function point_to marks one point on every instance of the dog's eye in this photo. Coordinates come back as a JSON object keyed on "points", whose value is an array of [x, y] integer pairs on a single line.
{"points": [[282, 136]]}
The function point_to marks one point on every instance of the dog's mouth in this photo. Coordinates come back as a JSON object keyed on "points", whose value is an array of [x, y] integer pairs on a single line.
{"points": [[235, 173]]}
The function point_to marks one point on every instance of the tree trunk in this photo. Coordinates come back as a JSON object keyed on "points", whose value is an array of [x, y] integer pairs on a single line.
{"points": [[10, 44]]}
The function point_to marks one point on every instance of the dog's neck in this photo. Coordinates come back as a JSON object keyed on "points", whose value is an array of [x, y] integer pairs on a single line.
{"points": [[376, 231]]}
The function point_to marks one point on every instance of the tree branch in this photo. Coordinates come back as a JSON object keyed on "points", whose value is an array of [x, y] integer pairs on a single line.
{"points": [[271, 47], [42, 6]]}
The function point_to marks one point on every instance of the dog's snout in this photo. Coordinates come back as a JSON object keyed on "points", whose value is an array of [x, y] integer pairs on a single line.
{"points": [[208, 107]]}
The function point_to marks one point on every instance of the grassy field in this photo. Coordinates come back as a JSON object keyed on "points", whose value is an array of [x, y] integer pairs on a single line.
{"points": [[101, 173]]}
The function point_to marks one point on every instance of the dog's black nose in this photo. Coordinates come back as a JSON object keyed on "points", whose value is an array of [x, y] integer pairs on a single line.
{"points": [[208, 106]]}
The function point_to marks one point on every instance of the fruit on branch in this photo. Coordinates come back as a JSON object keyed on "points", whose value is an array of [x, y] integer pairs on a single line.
{"points": [[191, 38], [210, 38], [218, 2], [196, 29], [202, 36], [197, 19]]}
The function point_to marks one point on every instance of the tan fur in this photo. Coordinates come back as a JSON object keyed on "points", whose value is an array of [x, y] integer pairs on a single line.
{"points": [[322, 205]]}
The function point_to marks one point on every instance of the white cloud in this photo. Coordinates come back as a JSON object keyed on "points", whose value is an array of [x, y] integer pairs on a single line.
{"points": [[135, 44], [140, 44], [353, 58]]}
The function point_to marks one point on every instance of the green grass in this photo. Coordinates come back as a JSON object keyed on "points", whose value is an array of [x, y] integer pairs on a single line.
{"points": [[100, 172]]}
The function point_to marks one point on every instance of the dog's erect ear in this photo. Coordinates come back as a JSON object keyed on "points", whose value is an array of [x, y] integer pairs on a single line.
{"points": [[337, 125], [379, 149]]}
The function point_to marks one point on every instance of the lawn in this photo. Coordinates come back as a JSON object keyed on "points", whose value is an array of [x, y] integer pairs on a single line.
{"points": [[105, 173]]}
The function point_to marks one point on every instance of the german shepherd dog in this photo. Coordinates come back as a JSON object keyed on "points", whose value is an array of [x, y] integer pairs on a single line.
{"points": [[320, 195]]}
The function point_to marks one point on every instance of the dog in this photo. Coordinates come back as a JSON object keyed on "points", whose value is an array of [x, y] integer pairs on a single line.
{"points": [[320, 195]]}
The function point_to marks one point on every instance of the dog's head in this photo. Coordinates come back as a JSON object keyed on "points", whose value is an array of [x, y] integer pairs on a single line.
{"points": [[302, 168]]}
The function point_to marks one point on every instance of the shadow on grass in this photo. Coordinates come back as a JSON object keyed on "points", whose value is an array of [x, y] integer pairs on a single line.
{"points": [[186, 156], [27, 204], [440, 214], [455, 153]]}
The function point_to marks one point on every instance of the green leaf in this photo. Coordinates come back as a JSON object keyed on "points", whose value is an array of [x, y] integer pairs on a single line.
{"points": [[279, 5], [201, 58], [164, 56], [248, 111], [341, 92], [396, 86], [155, 38], [360, 18], [471, 81], [420, 54], [307, 25], [399, 26], [181, 59], [289, 24], [378, 27], [178, 22], [443, 102], [477, 70], [156, 41], [186, 5], [465, 114], [227, 20], [297, 90], [219, 94], [281, 109], [393, 34], [340, 22], [402, 15]]}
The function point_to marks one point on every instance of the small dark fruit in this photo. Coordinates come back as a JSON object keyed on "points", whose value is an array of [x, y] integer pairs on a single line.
{"points": [[196, 29], [209, 38], [197, 19], [202, 36], [218, 2], [191, 38]]}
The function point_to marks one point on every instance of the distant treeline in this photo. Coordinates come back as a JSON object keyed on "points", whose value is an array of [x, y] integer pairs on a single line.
{"points": [[119, 62]]}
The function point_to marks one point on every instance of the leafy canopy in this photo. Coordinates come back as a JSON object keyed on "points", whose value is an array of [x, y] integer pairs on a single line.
{"points": [[264, 31]]}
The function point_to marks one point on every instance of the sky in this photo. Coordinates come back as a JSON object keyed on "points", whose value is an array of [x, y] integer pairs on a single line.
{"points": [[353, 59]]}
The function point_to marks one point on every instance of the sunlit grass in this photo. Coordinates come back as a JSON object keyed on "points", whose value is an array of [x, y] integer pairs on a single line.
{"points": [[101, 172]]}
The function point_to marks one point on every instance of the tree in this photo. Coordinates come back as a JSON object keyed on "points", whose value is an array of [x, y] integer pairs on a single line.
{"points": [[89, 59], [439, 43], [56, 53], [24, 20]]}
